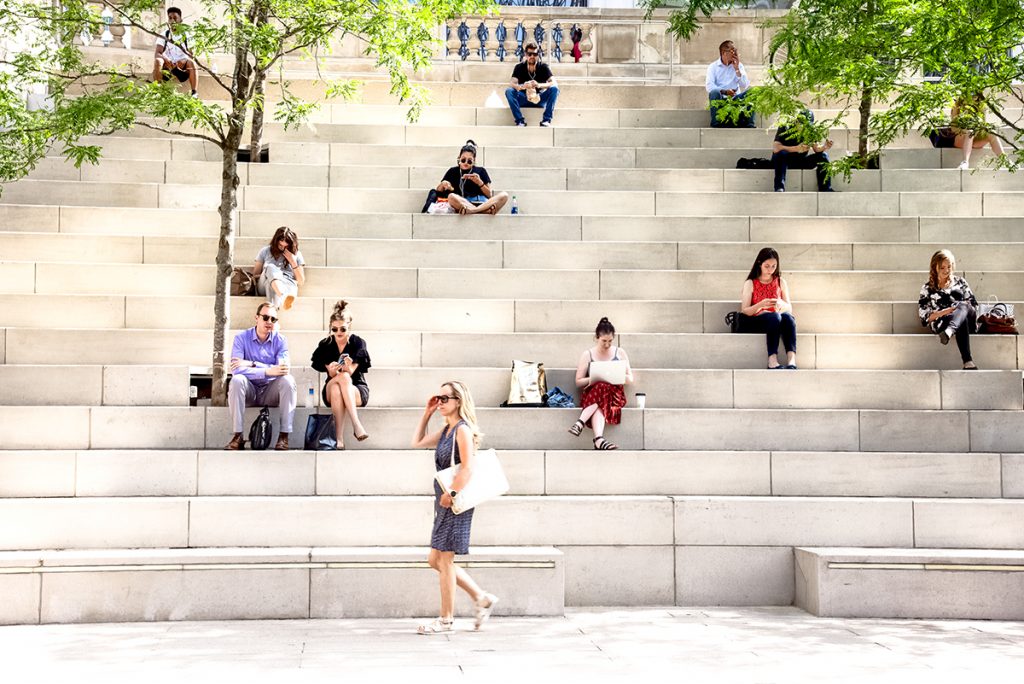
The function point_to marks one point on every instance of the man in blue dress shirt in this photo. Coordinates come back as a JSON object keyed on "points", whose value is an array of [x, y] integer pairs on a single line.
{"points": [[260, 376], [727, 79]]}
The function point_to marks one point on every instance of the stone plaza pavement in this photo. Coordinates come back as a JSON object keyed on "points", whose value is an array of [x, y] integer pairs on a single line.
{"points": [[689, 644]]}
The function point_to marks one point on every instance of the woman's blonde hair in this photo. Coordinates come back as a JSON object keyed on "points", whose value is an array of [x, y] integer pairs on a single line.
{"points": [[341, 312], [467, 409], [933, 268]]}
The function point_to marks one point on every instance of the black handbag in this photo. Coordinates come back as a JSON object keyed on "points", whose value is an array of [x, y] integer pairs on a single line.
{"points": [[260, 431], [320, 433], [732, 319]]}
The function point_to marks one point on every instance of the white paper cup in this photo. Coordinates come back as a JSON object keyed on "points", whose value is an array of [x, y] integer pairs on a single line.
{"points": [[641, 400]]}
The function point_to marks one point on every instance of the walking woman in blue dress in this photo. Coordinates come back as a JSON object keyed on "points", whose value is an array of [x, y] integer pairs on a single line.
{"points": [[450, 534]]}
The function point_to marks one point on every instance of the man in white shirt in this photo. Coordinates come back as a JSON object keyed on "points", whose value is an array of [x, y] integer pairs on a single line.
{"points": [[172, 57], [727, 79]]}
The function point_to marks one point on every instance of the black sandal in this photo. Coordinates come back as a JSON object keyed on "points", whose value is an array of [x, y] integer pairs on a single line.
{"points": [[605, 445], [577, 428]]}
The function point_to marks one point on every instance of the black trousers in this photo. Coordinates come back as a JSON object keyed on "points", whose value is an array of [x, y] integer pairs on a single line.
{"points": [[774, 326], [961, 323], [800, 160]]}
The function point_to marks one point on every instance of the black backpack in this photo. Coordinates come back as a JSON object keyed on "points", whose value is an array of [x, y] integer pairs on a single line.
{"points": [[260, 431]]}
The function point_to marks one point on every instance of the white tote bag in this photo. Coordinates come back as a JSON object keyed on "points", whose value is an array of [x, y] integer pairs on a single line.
{"points": [[488, 481]]}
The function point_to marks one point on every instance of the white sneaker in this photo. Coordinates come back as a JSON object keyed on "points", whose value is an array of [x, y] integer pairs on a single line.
{"points": [[545, 124], [964, 166]]}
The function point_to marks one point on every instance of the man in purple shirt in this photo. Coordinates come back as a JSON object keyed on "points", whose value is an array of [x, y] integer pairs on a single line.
{"points": [[260, 376]]}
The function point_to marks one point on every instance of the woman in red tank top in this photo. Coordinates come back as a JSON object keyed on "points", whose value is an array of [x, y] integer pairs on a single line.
{"points": [[765, 308]]}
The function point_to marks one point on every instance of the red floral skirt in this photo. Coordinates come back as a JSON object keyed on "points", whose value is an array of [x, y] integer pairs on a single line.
{"points": [[609, 399]]}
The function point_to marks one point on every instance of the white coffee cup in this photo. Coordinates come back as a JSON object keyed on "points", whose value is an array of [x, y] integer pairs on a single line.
{"points": [[641, 400]]}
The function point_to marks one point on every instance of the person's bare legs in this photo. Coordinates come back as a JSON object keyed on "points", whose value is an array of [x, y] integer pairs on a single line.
{"points": [[353, 399], [193, 77], [337, 400], [494, 204], [965, 142], [460, 204], [445, 566], [158, 65], [597, 422]]}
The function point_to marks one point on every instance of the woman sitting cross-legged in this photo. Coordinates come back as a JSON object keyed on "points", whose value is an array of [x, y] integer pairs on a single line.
{"points": [[280, 268], [602, 402], [947, 305], [468, 186], [766, 308], [343, 356]]}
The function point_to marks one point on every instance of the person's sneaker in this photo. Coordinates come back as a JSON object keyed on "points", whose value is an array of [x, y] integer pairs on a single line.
{"points": [[521, 123], [780, 189], [484, 607], [964, 166], [545, 124], [945, 336], [195, 94]]}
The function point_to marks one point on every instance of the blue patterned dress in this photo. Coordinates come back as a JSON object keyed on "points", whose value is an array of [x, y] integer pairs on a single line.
{"points": [[451, 532]]}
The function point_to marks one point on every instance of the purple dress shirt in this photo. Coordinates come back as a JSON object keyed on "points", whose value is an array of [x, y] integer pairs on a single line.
{"points": [[262, 355]]}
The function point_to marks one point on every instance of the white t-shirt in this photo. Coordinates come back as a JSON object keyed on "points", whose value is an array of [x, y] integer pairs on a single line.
{"points": [[172, 52]]}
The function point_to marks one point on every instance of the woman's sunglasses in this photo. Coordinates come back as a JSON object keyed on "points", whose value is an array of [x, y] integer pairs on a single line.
{"points": [[466, 161], [443, 398], [342, 329]]}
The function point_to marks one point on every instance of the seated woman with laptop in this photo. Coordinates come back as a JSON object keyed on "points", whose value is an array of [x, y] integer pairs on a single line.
{"points": [[602, 371]]}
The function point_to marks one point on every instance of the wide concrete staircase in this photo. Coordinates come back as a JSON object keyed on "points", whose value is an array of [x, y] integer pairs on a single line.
{"points": [[877, 480]]}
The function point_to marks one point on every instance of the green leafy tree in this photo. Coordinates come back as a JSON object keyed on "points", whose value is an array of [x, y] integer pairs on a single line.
{"points": [[53, 93]]}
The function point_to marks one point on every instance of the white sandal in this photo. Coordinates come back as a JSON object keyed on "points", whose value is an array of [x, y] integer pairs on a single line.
{"points": [[483, 612], [438, 626]]}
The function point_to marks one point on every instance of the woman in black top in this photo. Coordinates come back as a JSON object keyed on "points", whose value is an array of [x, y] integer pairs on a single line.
{"points": [[468, 187], [344, 358], [948, 307]]}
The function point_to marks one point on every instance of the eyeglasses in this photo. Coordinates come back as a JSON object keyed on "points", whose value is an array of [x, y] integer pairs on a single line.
{"points": [[466, 161], [443, 398], [343, 328], [266, 318], [531, 54]]}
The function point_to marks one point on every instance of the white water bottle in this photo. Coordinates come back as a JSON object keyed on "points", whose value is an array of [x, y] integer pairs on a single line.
{"points": [[515, 205], [310, 396]]}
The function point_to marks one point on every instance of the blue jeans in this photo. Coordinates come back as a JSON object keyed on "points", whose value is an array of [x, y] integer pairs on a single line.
{"points": [[517, 100], [774, 325], [800, 160], [743, 122]]}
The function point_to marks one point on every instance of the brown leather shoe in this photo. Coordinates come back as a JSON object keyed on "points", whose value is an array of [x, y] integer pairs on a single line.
{"points": [[282, 442], [236, 443]]}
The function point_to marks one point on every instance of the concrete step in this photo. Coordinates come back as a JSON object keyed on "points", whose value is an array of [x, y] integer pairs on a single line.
{"points": [[367, 521], [264, 584], [27, 277], [910, 583], [137, 473], [524, 178], [513, 254], [182, 347], [755, 227], [106, 312], [947, 431], [572, 202], [518, 151], [88, 385]]}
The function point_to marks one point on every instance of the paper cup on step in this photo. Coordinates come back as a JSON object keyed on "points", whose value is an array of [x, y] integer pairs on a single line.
{"points": [[641, 400]]}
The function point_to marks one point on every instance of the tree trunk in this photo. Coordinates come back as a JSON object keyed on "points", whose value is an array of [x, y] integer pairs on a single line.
{"points": [[228, 222], [865, 118], [225, 260], [256, 139]]}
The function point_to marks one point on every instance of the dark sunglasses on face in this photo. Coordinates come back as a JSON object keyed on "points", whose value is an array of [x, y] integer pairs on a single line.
{"points": [[443, 398], [343, 329], [465, 161], [266, 318], [531, 54]]}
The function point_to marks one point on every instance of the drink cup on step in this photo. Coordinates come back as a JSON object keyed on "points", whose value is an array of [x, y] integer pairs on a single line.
{"points": [[641, 400]]}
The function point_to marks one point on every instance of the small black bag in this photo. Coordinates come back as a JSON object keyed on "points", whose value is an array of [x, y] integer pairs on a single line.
{"points": [[431, 198], [260, 431], [754, 163], [943, 137], [732, 319], [320, 433]]}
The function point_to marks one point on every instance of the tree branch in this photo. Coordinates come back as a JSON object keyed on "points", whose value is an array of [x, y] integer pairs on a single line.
{"points": [[154, 127]]}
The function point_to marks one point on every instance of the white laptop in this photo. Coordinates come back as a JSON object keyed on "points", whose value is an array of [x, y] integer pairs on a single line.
{"points": [[612, 372]]}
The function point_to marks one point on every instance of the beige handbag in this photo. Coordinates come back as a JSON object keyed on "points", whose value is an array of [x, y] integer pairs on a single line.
{"points": [[528, 386], [488, 480]]}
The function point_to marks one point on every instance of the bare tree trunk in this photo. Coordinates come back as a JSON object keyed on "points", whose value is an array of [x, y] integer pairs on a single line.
{"points": [[228, 223], [865, 119], [256, 139]]}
